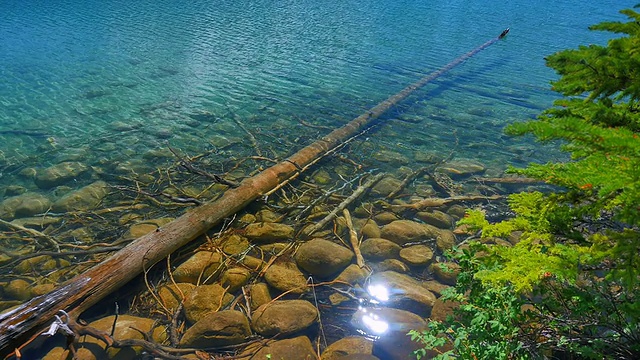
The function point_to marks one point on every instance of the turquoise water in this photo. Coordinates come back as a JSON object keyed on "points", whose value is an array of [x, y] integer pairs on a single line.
{"points": [[110, 82]]}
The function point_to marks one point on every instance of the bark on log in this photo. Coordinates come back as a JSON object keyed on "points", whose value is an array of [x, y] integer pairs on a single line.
{"points": [[79, 293]]}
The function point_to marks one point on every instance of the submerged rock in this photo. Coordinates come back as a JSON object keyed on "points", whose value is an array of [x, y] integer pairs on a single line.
{"points": [[234, 278], [386, 186], [322, 257], [172, 295], [205, 299], [385, 217], [268, 232], [435, 287], [352, 275], [436, 218], [445, 240], [144, 227], [349, 345], [389, 156], [462, 168], [379, 249], [406, 231], [84, 198], [59, 174], [17, 289], [446, 273], [391, 265], [405, 292], [390, 327], [127, 328], [284, 317], [298, 348], [442, 309], [200, 267], [222, 328], [234, 244], [416, 255], [24, 205], [394, 344], [259, 295], [370, 229], [285, 276]]}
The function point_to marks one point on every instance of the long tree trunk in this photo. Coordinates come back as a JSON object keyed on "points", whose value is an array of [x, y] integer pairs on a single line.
{"points": [[79, 293]]}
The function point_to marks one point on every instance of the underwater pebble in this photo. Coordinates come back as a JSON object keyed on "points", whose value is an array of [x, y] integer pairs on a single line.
{"points": [[322, 257], [284, 317], [268, 232], [416, 255], [285, 276], [259, 295], [349, 345], [298, 348], [222, 328], [205, 299], [448, 276], [379, 249], [201, 266]]}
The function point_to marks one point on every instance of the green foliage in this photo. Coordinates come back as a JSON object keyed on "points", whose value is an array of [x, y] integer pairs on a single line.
{"points": [[485, 325], [599, 120], [578, 259]]}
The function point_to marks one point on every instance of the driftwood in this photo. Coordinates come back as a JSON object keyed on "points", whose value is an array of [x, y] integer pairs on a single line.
{"points": [[32, 232], [78, 294], [353, 238], [356, 194], [508, 180], [437, 202]]}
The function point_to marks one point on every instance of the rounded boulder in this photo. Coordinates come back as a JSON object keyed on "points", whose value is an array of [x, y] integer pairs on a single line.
{"points": [[222, 328], [284, 317], [322, 257]]}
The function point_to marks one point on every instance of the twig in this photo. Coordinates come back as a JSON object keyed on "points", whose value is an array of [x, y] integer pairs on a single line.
{"points": [[331, 151], [254, 141], [175, 199], [436, 202], [32, 232], [192, 169], [359, 191], [508, 180], [173, 330], [324, 196], [313, 126], [353, 238], [407, 180]]}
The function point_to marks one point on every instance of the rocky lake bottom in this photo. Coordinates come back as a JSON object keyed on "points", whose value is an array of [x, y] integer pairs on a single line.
{"points": [[269, 281]]}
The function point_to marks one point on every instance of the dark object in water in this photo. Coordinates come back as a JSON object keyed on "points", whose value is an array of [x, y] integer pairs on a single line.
{"points": [[32, 133]]}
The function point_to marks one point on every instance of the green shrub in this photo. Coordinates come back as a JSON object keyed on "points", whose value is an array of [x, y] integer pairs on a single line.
{"points": [[578, 259]]}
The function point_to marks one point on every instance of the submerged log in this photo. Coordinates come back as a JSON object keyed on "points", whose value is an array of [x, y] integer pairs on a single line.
{"points": [[83, 291]]}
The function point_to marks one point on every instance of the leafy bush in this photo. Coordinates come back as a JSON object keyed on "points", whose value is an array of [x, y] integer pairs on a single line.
{"points": [[578, 260], [485, 324]]}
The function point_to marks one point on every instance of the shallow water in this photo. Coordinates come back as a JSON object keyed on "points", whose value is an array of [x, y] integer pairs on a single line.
{"points": [[70, 71], [112, 83]]}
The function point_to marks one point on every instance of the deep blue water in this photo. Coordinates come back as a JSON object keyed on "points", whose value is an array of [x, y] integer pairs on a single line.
{"points": [[79, 74]]}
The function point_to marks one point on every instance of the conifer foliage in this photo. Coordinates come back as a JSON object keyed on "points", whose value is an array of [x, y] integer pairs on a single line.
{"points": [[577, 264]]}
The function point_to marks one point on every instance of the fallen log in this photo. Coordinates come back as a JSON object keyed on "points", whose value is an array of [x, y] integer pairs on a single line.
{"points": [[515, 180], [84, 290], [437, 202]]}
